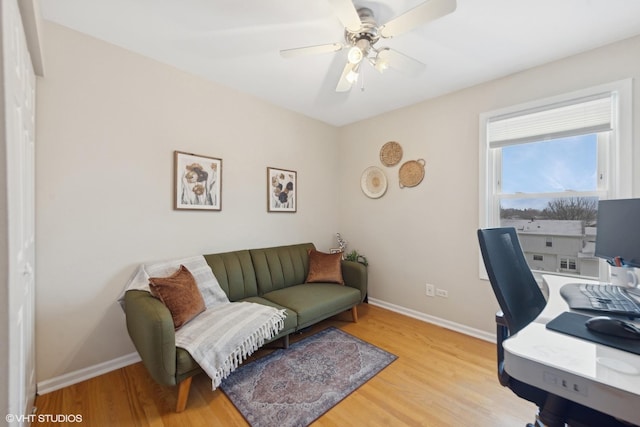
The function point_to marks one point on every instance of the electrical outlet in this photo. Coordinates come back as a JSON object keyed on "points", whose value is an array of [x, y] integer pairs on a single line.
{"points": [[442, 293], [430, 289]]}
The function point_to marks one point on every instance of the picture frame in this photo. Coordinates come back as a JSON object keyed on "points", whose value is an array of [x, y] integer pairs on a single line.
{"points": [[197, 182], [282, 190]]}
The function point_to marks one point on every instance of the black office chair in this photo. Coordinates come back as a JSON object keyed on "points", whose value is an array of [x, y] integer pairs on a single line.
{"points": [[521, 301]]}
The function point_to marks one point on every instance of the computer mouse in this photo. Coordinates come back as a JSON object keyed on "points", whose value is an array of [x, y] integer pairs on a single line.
{"points": [[614, 327]]}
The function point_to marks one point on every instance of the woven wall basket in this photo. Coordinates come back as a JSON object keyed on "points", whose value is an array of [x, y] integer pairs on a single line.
{"points": [[411, 173], [390, 153], [373, 182]]}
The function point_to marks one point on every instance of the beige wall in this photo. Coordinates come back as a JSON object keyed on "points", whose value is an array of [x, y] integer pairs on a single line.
{"points": [[108, 123], [428, 233], [109, 120]]}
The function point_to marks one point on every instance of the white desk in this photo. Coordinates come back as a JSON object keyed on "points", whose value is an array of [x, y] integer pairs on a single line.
{"points": [[591, 374]]}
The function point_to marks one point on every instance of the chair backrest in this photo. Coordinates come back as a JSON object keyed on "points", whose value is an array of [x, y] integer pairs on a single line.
{"points": [[516, 289]]}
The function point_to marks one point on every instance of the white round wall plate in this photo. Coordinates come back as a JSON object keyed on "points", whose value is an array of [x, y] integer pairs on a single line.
{"points": [[373, 182]]}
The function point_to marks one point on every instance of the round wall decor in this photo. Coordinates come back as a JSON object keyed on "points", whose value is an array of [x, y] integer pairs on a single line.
{"points": [[373, 182], [411, 173], [390, 153]]}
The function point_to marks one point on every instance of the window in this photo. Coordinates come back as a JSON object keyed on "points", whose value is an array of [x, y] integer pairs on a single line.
{"points": [[568, 264], [545, 165]]}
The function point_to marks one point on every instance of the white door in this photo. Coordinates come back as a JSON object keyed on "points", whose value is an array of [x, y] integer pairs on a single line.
{"points": [[19, 140]]}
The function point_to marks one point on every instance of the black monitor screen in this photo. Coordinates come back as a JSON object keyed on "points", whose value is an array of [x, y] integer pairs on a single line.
{"points": [[618, 230]]}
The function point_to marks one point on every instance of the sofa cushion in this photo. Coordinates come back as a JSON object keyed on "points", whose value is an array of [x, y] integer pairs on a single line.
{"points": [[315, 301], [290, 322], [180, 293], [281, 266], [235, 273], [324, 267]]}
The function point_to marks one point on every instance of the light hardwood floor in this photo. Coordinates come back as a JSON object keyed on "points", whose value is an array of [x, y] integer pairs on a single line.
{"points": [[441, 378]]}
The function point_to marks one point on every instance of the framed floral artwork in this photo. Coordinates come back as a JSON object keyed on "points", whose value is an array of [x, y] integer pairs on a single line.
{"points": [[282, 190], [198, 182]]}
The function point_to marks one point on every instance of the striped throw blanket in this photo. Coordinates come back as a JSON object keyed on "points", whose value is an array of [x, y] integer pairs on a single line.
{"points": [[220, 339], [226, 333]]}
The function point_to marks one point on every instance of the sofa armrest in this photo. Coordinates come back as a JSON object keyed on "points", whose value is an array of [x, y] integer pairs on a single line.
{"points": [[151, 329], [355, 276]]}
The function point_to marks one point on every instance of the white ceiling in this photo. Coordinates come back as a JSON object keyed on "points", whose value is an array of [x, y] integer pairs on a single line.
{"points": [[236, 43]]}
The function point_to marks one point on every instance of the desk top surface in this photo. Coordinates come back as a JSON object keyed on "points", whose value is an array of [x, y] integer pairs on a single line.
{"points": [[595, 362]]}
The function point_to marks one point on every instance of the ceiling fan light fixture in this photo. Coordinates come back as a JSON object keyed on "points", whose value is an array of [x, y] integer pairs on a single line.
{"points": [[381, 61], [352, 76], [381, 64], [362, 32], [355, 55]]}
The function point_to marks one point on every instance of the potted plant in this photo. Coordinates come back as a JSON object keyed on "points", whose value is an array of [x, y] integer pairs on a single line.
{"points": [[356, 257]]}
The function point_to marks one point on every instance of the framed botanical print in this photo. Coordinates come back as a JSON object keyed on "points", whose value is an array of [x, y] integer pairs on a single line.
{"points": [[282, 190], [198, 182]]}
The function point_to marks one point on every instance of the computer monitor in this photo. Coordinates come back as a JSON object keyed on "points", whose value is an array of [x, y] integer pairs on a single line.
{"points": [[618, 230]]}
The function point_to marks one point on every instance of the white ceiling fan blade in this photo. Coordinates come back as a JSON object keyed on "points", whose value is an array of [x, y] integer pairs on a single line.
{"points": [[310, 50], [347, 14], [421, 14], [344, 84], [398, 61]]}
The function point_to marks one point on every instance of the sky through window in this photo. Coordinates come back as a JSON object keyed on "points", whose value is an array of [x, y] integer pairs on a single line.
{"points": [[558, 165]]}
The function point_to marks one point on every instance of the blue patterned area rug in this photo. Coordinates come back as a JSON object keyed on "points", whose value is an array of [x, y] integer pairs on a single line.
{"points": [[294, 386]]}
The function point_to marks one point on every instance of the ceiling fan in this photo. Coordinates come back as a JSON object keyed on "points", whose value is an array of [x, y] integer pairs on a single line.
{"points": [[362, 32]]}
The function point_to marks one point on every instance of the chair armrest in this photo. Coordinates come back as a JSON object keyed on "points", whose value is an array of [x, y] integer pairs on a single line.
{"points": [[151, 329], [355, 276]]}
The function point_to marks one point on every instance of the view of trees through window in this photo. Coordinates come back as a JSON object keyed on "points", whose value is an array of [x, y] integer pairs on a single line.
{"points": [[574, 208]]}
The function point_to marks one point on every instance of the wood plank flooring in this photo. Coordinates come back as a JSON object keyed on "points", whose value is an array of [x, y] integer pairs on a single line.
{"points": [[441, 378]]}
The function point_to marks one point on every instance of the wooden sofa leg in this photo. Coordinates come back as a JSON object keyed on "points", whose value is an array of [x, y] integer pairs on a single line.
{"points": [[285, 341], [183, 394], [354, 313]]}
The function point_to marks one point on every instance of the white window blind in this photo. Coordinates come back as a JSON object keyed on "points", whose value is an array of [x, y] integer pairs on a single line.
{"points": [[580, 116]]}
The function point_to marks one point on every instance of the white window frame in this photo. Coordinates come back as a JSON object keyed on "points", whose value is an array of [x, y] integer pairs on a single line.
{"points": [[615, 168], [568, 260]]}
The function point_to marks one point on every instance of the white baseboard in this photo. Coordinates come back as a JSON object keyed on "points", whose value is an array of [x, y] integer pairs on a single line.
{"points": [[477, 333], [56, 383]]}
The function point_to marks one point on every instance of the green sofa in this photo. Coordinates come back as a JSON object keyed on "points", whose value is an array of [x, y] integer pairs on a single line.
{"points": [[271, 276]]}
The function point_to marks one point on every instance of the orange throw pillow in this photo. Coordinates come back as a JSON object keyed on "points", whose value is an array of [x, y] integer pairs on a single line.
{"points": [[180, 293], [324, 267]]}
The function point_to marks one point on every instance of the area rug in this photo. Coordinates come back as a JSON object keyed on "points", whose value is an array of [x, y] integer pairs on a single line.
{"points": [[293, 387]]}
